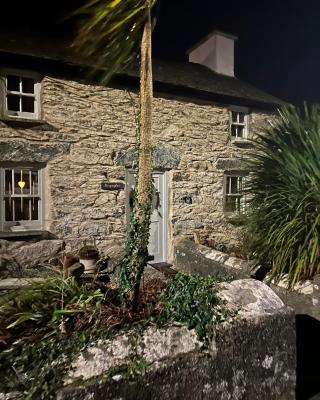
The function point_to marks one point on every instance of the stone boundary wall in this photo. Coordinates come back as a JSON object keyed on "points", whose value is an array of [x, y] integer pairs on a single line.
{"points": [[251, 357]]}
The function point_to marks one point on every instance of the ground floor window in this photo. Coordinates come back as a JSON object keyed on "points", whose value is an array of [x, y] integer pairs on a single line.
{"points": [[21, 197], [234, 198]]}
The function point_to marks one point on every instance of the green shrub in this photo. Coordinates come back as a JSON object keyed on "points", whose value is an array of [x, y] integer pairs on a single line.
{"points": [[192, 300], [284, 189]]}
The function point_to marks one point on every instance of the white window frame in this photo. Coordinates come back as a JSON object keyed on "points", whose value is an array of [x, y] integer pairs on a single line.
{"points": [[244, 124], [228, 193], [16, 115], [28, 225]]}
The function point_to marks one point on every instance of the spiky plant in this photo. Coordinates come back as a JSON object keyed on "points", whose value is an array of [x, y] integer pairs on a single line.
{"points": [[113, 30], [284, 212]]}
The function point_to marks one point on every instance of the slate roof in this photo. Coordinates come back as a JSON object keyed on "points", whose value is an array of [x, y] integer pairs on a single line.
{"points": [[176, 77], [202, 79]]}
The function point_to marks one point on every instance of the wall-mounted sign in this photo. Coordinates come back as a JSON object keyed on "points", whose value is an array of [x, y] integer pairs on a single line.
{"points": [[112, 186]]}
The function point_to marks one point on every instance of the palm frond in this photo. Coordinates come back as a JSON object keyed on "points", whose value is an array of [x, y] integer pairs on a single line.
{"points": [[111, 33], [284, 211]]}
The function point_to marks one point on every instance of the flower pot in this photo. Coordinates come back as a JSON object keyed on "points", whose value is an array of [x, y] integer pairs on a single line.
{"points": [[88, 256]]}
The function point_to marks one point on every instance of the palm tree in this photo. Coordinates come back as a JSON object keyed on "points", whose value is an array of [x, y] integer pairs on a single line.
{"points": [[283, 226], [109, 38]]}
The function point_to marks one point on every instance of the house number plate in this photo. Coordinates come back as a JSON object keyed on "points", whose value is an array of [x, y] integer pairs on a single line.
{"points": [[112, 186]]}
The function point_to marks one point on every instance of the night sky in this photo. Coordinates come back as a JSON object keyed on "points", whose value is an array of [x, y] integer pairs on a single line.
{"points": [[277, 50]]}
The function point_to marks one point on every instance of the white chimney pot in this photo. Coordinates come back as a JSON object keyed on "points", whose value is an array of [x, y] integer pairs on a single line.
{"points": [[216, 52]]}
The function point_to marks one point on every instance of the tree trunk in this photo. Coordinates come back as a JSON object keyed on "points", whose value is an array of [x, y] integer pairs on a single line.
{"points": [[138, 237], [145, 150], [144, 178]]}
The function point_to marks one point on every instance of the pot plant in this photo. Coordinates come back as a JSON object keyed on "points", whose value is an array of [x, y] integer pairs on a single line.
{"points": [[88, 256]]}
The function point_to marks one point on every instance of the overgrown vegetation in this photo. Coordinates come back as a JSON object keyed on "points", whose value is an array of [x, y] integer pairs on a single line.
{"points": [[36, 352], [283, 228]]}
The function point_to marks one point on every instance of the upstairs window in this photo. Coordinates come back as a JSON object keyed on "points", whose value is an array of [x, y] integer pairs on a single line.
{"points": [[21, 198], [21, 95], [234, 198], [238, 125]]}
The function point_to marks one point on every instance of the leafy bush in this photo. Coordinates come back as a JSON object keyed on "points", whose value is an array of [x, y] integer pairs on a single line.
{"points": [[284, 211], [193, 301]]}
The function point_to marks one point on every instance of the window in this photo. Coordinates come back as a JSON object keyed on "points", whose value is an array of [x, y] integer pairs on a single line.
{"points": [[234, 199], [239, 125], [21, 95], [21, 198]]}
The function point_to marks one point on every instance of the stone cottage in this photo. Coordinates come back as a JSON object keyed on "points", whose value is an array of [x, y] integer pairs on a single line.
{"points": [[67, 147]]}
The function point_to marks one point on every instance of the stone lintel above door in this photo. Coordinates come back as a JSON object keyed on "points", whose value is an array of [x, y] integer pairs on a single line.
{"points": [[165, 157]]}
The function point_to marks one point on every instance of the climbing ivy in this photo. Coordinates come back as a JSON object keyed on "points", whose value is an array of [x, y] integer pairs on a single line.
{"points": [[136, 249]]}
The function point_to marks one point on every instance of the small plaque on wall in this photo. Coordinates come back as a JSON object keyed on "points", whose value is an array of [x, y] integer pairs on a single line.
{"points": [[112, 186]]}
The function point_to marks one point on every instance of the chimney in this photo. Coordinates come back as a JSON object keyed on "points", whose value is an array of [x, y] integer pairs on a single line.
{"points": [[215, 51]]}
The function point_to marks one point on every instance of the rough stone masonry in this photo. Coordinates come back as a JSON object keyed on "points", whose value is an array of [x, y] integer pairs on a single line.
{"points": [[86, 127]]}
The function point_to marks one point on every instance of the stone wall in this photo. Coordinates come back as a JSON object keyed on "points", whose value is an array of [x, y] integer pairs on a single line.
{"points": [[85, 129], [252, 356]]}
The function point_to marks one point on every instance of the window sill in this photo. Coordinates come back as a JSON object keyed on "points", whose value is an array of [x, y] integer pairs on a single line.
{"points": [[244, 143], [236, 219], [17, 121], [10, 234]]}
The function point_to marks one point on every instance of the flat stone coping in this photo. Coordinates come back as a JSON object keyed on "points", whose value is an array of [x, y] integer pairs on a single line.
{"points": [[17, 283]]}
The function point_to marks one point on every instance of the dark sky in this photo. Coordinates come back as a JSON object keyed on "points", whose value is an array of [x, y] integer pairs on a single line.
{"points": [[278, 48]]}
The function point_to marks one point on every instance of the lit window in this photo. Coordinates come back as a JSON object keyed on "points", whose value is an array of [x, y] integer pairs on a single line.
{"points": [[21, 198], [234, 201], [238, 125], [22, 92]]}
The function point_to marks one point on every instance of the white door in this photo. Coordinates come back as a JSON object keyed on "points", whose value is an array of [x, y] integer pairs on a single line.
{"points": [[158, 230]]}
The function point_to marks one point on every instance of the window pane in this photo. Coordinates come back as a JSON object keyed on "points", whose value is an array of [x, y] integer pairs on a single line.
{"points": [[234, 131], [234, 116], [13, 83], [13, 102], [228, 184], [241, 118], [34, 183], [27, 85], [34, 209], [8, 209], [21, 182], [22, 209], [230, 205], [240, 131], [234, 184], [28, 104], [8, 181], [240, 180]]}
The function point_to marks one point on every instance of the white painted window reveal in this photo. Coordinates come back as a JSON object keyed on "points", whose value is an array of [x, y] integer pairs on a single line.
{"points": [[21, 94], [21, 198], [234, 201], [238, 125]]}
